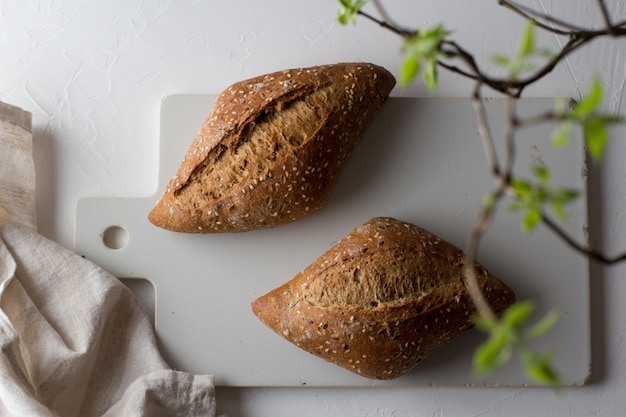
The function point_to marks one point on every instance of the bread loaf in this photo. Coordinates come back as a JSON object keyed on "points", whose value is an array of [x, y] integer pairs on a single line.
{"points": [[380, 300], [270, 150]]}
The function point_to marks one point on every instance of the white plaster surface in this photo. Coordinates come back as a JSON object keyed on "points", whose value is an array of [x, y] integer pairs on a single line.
{"points": [[93, 74]]}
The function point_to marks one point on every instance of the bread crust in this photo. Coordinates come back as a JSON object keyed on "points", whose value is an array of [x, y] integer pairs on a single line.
{"points": [[381, 300], [270, 150]]}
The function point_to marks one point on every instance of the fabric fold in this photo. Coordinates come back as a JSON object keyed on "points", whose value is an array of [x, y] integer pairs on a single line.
{"points": [[74, 341], [17, 168]]}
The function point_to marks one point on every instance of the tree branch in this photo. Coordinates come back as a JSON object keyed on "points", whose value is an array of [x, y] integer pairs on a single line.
{"points": [[548, 116], [484, 131], [480, 226], [578, 36], [404, 33], [512, 88], [583, 249], [509, 141]]}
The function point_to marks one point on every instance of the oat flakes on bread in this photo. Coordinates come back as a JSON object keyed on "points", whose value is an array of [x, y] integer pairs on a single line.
{"points": [[378, 302], [271, 148]]}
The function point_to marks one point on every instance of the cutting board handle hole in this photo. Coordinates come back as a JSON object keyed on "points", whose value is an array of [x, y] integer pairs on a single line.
{"points": [[115, 237]]}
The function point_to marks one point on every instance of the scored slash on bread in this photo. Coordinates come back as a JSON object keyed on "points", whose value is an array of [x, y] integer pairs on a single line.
{"points": [[378, 302], [270, 150]]}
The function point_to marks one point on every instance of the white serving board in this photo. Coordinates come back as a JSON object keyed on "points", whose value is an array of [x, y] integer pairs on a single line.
{"points": [[421, 160]]}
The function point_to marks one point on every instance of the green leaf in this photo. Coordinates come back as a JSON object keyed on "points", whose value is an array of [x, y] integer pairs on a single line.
{"points": [[531, 219], [538, 367], [425, 43], [561, 135], [492, 354], [521, 187], [526, 50], [430, 75], [343, 18], [349, 10], [410, 69], [590, 102], [610, 119], [562, 195], [426, 46], [508, 335], [596, 138], [542, 172], [559, 210], [429, 39], [527, 46], [533, 197], [517, 314], [423, 48], [543, 326]]}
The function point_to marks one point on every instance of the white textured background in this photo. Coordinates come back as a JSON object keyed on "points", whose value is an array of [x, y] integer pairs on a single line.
{"points": [[93, 74]]}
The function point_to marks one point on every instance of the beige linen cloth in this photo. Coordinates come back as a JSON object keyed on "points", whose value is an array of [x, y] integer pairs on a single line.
{"points": [[74, 341]]}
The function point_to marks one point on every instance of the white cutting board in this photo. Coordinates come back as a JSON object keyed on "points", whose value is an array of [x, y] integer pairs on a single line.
{"points": [[420, 160]]}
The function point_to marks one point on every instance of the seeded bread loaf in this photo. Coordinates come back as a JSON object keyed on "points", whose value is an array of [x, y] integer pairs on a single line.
{"points": [[380, 300], [270, 150]]}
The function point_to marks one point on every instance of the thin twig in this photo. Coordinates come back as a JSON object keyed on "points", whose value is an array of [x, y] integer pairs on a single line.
{"points": [[501, 85], [457, 70], [545, 117], [569, 28], [583, 249], [531, 14], [387, 18], [387, 25], [514, 88], [484, 131], [574, 43], [547, 27], [605, 16], [509, 141], [480, 226], [485, 217]]}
